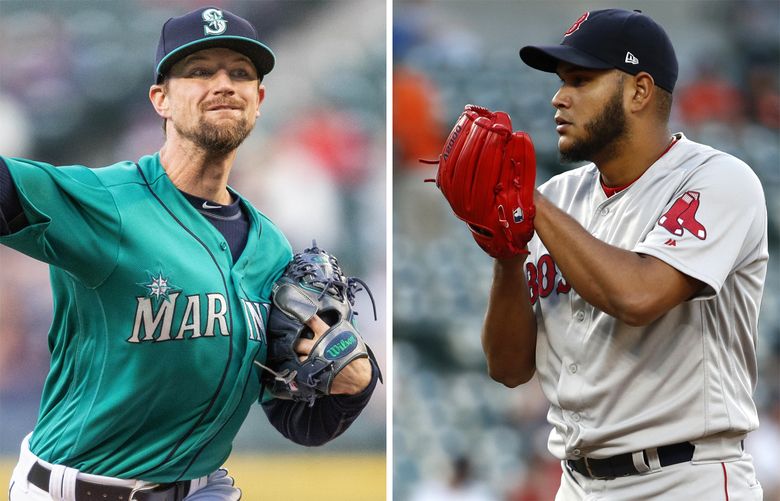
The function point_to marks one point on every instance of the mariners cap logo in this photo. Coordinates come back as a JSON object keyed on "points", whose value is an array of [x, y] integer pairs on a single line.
{"points": [[574, 27], [213, 22]]}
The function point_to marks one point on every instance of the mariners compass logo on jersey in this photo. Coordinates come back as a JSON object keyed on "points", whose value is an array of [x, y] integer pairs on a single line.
{"points": [[213, 22], [159, 287]]}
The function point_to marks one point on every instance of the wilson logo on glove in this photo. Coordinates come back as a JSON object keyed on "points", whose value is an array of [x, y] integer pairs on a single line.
{"points": [[340, 346]]}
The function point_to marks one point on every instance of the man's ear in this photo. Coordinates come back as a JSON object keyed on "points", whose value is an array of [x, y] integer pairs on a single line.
{"points": [[642, 90], [260, 98], [158, 95]]}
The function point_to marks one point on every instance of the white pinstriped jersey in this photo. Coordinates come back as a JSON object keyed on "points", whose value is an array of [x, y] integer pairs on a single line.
{"points": [[690, 374]]}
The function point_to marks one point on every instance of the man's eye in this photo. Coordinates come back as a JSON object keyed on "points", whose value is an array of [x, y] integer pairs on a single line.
{"points": [[242, 74], [199, 72], [574, 81]]}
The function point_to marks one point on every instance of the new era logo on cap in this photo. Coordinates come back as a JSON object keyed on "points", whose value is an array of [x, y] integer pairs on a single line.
{"points": [[631, 59]]}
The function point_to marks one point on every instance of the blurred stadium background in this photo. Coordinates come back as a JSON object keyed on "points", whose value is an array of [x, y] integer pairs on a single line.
{"points": [[450, 420], [74, 77]]}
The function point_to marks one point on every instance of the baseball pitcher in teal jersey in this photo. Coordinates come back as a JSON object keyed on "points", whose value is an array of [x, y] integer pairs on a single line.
{"points": [[162, 279]]}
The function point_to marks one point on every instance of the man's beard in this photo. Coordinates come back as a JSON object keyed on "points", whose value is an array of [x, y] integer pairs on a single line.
{"points": [[217, 139], [603, 132]]}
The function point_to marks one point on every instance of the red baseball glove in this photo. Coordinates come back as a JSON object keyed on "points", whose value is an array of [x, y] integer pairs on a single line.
{"points": [[487, 174]]}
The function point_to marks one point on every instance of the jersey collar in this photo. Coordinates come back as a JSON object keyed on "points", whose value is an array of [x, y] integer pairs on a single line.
{"points": [[162, 185], [609, 191]]}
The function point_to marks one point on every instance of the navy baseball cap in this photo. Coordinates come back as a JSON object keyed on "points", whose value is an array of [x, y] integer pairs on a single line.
{"points": [[611, 38], [205, 28]]}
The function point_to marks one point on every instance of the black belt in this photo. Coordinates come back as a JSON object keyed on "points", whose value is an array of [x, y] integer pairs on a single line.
{"points": [[90, 491], [622, 465]]}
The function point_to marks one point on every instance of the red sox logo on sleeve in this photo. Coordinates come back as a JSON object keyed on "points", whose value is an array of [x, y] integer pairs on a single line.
{"points": [[682, 216], [574, 27]]}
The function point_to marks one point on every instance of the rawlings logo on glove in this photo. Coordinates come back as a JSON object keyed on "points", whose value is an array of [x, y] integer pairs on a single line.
{"points": [[312, 284], [487, 174]]}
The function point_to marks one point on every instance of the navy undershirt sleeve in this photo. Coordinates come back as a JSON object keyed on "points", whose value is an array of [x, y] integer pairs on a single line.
{"points": [[328, 418], [12, 216]]}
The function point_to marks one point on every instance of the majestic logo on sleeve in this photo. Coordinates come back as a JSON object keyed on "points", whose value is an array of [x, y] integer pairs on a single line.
{"points": [[213, 22], [574, 27], [682, 216]]}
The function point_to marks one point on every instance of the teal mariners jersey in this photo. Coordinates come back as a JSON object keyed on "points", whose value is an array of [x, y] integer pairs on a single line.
{"points": [[155, 328]]}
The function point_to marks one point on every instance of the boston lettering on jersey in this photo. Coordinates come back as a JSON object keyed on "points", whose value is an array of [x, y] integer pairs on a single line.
{"points": [[163, 314], [543, 277]]}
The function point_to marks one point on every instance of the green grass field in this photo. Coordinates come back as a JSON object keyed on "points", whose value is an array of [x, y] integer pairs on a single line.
{"points": [[342, 477]]}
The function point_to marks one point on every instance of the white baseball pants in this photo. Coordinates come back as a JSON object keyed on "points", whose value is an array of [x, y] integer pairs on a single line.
{"points": [[218, 486]]}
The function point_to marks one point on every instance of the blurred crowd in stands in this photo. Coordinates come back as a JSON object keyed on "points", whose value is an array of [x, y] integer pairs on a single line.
{"points": [[74, 79], [447, 412]]}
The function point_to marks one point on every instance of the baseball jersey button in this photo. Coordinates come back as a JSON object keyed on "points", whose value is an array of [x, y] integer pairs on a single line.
{"points": [[576, 452], [223, 245], [604, 211], [580, 316], [573, 368], [576, 417]]}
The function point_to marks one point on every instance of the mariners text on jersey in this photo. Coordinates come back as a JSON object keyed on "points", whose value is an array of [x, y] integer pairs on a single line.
{"points": [[156, 322]]}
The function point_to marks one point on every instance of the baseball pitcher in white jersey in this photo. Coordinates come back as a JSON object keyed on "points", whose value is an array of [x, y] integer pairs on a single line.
{"points": [[637, 301]]}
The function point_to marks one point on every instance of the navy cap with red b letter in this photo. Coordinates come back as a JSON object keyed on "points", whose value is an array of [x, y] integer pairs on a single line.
{"points": [[206, 28], [611, 38]]}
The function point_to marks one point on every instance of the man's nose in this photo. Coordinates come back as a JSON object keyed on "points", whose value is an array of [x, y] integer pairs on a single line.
{"points": [[223, 82], [560, 100]]}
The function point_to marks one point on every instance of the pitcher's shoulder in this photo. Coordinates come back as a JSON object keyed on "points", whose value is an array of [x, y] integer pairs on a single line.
{"points": [[128, 172]]}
